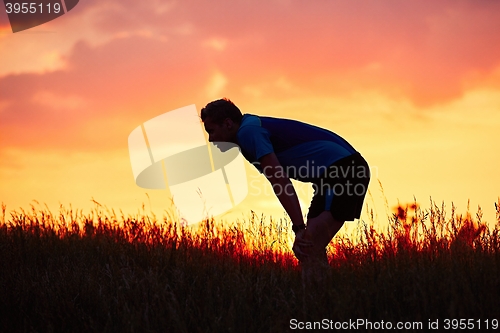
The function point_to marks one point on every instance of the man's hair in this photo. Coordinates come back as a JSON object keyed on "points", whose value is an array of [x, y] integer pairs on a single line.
{"points": [[221, 109]]}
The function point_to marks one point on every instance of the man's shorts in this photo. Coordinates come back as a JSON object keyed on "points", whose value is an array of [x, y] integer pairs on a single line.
{"points": [[341, 189]]}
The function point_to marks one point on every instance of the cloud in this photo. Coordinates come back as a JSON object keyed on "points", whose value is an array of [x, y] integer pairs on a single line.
{"points": [[120, 82], [408, 48], [419, 49], [155, 56]]}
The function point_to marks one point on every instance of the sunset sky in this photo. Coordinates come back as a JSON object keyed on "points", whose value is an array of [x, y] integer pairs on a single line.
{"points": [[413, 85]]}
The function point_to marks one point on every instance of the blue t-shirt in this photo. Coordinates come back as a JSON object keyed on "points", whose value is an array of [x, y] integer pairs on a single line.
{"points": [[304, 151]]}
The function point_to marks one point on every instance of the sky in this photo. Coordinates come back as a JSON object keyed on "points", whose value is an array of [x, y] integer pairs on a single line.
{"points": [[412, 85]]}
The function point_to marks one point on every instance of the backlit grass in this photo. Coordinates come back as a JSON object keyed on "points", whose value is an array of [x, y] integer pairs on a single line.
{"points": [[99, 272]]}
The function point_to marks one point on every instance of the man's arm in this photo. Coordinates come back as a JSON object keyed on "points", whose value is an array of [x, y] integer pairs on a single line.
{"points": [[282, 186]]}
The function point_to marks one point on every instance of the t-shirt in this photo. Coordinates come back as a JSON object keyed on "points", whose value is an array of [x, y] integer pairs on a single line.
{"points": [[303, 150]]}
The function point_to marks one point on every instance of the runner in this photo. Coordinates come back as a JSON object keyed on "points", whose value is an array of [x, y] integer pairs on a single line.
{"points": [[282, 149]]}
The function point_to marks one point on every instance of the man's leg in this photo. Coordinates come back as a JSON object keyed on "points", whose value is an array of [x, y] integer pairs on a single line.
{"points": [[320, 230]]}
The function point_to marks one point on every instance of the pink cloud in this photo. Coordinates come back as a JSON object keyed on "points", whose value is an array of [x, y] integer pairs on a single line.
{"points": [[121, 80], [419, 50], [157, 57]]}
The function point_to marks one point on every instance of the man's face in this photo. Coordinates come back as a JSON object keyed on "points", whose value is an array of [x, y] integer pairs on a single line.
{"points": [[219, 132]]}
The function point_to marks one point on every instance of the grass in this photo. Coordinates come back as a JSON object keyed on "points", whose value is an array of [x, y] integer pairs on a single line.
{"points": [[99, 272]]}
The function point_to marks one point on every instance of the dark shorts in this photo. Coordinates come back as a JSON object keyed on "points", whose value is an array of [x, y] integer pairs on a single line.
{"points": [[342, 189]]}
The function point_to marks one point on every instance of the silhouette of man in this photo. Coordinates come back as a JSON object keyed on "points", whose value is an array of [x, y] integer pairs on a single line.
{"points": [[282, 149]]}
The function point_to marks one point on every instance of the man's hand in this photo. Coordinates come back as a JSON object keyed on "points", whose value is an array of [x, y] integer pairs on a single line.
{"points": [[301, 245]]}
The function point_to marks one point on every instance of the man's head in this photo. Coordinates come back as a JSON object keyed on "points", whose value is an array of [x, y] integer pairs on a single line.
{"points": [[221, 119]]}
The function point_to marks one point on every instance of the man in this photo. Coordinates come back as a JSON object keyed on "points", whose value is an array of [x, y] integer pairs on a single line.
{"points": [[284, 149]]}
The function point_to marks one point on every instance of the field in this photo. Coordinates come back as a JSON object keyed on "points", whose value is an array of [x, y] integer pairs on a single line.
{"points": [[102, 272]]}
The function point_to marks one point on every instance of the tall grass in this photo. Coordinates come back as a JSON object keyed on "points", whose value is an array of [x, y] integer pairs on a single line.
{"points": [[99, 272]]}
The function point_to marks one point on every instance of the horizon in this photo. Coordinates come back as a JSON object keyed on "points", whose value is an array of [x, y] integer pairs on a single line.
{"points": [[414, 87]]}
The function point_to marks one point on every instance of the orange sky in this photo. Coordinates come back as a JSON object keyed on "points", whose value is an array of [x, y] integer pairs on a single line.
{"points": [[413, 85]]}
